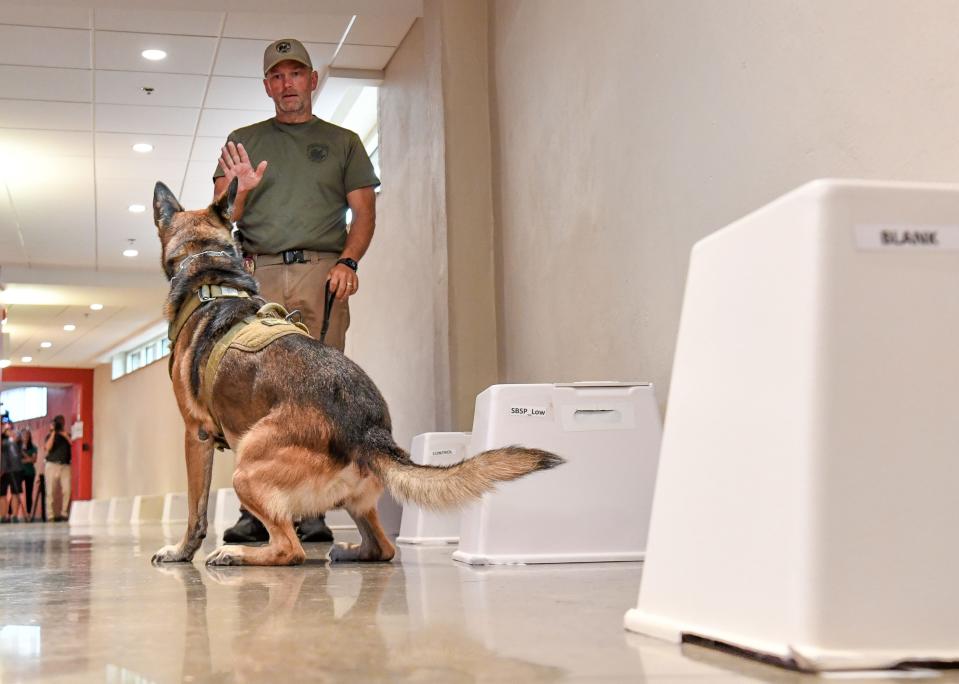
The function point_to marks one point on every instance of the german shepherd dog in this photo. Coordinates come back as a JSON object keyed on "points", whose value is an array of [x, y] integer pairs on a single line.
{"points": [[309, 428]]}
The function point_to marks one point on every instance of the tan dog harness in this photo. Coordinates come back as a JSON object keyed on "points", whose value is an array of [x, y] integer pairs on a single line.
{"points": [[250, 335]]}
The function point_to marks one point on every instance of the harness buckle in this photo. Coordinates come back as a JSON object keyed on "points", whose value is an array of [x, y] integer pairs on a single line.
{"points": [[205, 294]]}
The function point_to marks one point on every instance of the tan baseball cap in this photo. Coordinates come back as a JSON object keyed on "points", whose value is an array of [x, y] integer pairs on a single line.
{"points": [[283, 49]]}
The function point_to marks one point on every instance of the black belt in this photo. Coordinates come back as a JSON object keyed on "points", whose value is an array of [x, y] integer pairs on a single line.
{"points": [[290, 256], [293, 256]]}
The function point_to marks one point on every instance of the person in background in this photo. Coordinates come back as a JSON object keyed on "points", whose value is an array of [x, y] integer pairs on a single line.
{"points": [[28, 474], [59, 454], [11, 496], [40, 488]]}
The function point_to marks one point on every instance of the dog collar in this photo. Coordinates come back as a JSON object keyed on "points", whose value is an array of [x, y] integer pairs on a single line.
{"points": [[191, 257], [204, 294]]}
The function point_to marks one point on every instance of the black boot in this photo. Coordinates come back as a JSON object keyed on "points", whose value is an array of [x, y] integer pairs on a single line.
{"points": [[247, 529], [314, 530]]}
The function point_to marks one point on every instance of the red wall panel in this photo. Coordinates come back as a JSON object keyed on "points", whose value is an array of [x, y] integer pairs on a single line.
{"points": [[77, 403]]}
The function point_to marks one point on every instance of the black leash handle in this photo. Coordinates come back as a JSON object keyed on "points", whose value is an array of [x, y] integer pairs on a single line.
{"points": [[328, 298]]}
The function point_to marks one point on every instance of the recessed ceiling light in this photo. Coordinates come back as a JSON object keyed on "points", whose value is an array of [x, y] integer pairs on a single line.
{"points": [[4, 363], [130, 252], [69, 327], [143, 148], [137, 208], [96, 307], [46, 345], [26, 359], [153, 55]]}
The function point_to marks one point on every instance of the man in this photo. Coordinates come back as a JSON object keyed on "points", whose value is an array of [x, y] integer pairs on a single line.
{"points": [[297, 175], [10, 468], [59, 455]]}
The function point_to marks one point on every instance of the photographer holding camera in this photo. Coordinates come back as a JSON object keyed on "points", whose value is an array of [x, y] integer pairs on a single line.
{"points": [[58, 458]]}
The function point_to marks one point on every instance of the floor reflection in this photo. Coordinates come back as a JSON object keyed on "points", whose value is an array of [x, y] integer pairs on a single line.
{"points": [[91, 608], [31, 643], [326, 624]]}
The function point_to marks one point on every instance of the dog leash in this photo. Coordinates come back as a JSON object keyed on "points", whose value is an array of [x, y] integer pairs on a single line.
{"points": [[328, 298]]}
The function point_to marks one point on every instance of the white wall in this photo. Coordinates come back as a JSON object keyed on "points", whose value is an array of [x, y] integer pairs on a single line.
{"points": [[138, 442], [625, 130]]}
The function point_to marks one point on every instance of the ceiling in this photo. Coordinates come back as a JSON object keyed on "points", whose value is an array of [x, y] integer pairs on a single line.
{"points": [[72, 104]]}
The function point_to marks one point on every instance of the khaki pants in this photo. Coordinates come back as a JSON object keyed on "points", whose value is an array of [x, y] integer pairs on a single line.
{"points": [[302, 286], [58, 473]]}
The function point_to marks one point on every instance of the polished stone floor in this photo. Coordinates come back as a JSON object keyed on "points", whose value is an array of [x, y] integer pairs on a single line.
{"points": [[86, 605]]}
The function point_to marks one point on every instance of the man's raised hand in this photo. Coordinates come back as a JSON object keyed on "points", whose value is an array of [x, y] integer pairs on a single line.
{"points": [[235, 163]]}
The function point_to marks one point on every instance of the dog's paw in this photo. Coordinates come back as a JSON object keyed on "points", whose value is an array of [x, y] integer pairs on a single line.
{"points": [[226, 555], [171, 554], [341, 551]]}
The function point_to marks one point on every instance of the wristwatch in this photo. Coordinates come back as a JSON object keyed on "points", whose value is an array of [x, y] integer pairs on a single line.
{"points": [[346, 261]]}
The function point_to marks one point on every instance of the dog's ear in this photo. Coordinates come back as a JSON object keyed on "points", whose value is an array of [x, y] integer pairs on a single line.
{"points": [[164, 206], [223, 205]]}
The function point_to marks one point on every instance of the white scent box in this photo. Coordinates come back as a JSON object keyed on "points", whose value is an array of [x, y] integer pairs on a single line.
{"points": [[81, 513], [419, 526], [121, 507], [147, 508], [806, 506], [226, 509], [595, 507], [99, 511]]}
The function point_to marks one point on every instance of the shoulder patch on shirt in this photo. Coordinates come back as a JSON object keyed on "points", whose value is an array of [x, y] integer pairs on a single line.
{"points": [[317, 152]]}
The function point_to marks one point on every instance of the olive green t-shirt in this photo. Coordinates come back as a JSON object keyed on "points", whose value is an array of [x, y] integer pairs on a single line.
{"points": [[300, 203]]}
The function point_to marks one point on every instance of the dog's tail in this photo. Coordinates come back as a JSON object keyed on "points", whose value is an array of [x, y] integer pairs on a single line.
{"points": [[444, 487]]}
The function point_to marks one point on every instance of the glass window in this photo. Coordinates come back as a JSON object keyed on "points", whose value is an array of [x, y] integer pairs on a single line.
{"points": [[140, 356], [24, 403]]}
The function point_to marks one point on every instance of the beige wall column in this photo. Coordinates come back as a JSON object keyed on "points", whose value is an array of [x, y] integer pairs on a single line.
{"points": [[400, 317], [424, 326], [472, 280]]}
